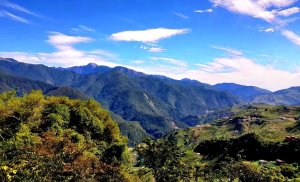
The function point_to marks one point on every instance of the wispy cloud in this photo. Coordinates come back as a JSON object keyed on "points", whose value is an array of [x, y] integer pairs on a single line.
{"points": [[154, 48], [16, 7], [12, 16], [292, 36], [181, 15], [147, 36], [82, 29], [7, 7], [170, 61], [228, 50], [204, 11]]}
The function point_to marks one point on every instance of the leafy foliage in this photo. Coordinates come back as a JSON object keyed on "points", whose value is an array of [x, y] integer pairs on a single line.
{"points": [[169, 159], [58, 139]]}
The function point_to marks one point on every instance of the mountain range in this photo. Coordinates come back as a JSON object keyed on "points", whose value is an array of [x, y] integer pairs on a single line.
{"points": [[158, 104], [246, 93]]}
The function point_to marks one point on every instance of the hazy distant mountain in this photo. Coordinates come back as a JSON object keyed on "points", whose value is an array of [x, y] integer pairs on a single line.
{"points": [[289, 96], [23, 86], [158, 103], [247, 93]]}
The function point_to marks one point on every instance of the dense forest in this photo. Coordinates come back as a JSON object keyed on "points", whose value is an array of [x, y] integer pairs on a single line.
{"points": [[50, 138]]}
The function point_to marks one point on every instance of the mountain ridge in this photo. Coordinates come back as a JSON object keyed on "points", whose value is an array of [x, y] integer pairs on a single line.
{"points": [[157, 103]]}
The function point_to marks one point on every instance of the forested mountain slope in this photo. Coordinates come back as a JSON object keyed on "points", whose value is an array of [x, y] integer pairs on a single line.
{"points": [[158, 103]]}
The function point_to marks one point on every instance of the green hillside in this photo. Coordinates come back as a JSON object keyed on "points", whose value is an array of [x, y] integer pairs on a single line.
{"points": [[256, 143], [58, 139]]}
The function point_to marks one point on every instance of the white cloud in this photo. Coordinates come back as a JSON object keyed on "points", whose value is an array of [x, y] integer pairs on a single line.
{"points": [[58, 39], [147, 36], [65, 55], [263, 9], [14, 17], [181, 15], [275, 3], [293, 37], [256, 9], [204, 11], [170, 61], [288, 12]]}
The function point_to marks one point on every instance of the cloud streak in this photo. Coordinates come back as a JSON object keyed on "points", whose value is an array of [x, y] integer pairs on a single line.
{"points": [[229, 51], [16, 7], [8, 7], [288, 12], [293, 37], [181, 15], [172, 61], [12, 16], [82, 29]]}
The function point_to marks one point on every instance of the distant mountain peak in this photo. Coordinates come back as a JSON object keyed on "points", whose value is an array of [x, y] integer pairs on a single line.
{"points": [[89, 69], [93, 65]]}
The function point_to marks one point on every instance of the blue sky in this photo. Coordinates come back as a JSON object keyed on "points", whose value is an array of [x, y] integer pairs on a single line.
{"points": [[251, 42]]}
